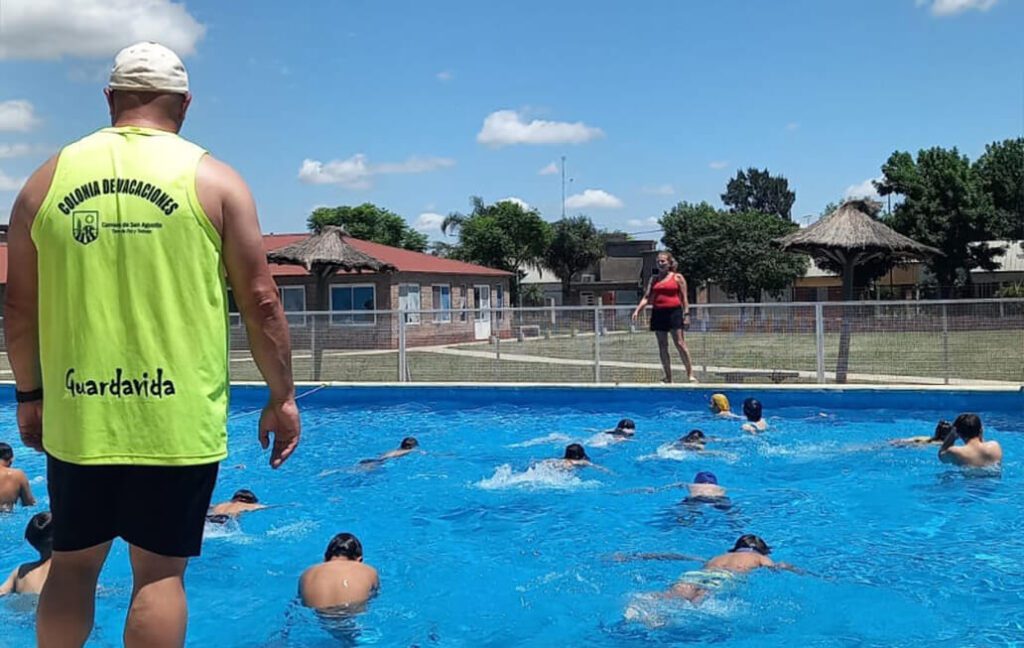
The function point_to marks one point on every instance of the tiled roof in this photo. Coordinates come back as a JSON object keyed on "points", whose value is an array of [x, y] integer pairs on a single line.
{"points": [[404, 260]]}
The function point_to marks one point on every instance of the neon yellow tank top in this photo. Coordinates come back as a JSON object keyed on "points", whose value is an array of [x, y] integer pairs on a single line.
{"points": [[133, 333]]}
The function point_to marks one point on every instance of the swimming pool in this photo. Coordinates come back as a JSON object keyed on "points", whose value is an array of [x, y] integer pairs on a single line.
{"points": [[475, 548]]}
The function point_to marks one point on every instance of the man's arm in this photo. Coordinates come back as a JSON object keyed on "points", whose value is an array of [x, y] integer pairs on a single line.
{"points": [[27, 499], [258, 302], [946, 452], [8, 586]]}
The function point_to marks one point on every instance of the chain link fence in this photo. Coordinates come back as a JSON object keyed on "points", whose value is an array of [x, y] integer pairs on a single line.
{"points": [[887, 342]]}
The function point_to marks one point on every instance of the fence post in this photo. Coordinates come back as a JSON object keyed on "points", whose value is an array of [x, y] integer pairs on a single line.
{"points": [[597, 342], [312, 350], [819, 336], [945, 346], [402, 374]]}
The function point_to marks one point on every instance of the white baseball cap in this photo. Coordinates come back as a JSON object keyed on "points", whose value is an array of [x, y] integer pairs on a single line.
{"points": [[148, 67]]}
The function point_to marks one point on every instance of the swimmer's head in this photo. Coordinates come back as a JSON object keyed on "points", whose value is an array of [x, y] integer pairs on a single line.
{"points": [[967, 426], [39, 532], [575, 452], [245, 496], [344, 545], [705, 477], [752, 409], [719, 403], [694, 436], [751, 541], [408, 443], [6, 453], [942, 430], [626, 426]]}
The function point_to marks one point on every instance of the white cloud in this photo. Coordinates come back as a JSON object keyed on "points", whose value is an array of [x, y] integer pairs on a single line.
{"points": [[506, 127], [659, 190], [550, 169], [17, 115], [792, 126], [7, 183], [519, 201], [636, 222], [865, 189], [357, 173], [718, 164], [51, 29], [953, 7], [444, 76], [593, 199], [429, 222], [14, 150]]}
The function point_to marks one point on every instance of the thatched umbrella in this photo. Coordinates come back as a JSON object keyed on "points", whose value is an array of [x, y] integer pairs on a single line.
{"points": [[848, 237], [323, 254]]}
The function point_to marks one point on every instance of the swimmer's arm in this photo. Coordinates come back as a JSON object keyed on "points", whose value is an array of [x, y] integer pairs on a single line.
{"points": [[621, 557], [27, 499], [948, 454], [784, 566], [601, 468], [8, 586]]}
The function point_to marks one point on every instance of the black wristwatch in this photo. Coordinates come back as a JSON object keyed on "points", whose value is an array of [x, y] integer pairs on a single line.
{"points": [[28, 396]]}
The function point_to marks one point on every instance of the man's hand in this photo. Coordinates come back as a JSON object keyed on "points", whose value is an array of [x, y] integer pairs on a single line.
{"points": [[281, 419], [30, 424]]}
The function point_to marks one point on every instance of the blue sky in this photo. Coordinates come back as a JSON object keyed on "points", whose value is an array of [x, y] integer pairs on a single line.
{"points": [[416, 105]]}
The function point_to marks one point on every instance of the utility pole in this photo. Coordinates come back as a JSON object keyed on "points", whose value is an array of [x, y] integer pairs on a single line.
{"points": [[563, 186]]}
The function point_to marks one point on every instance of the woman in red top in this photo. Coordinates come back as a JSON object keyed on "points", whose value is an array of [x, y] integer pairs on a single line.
{"points": [[670, 313]]}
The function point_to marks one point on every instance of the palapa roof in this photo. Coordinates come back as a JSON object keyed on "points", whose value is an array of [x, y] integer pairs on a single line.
{"points": [[328, 250], [850, 231]]}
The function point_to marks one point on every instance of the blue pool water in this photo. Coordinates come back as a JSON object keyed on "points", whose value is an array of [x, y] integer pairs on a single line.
{"points": [[476, 548]]}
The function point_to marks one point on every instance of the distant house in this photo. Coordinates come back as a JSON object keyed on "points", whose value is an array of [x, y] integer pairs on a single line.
{"points": [[618, 278]]}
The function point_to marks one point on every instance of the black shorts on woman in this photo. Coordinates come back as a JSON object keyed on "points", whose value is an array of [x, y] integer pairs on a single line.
{"points": [[667, 319]]}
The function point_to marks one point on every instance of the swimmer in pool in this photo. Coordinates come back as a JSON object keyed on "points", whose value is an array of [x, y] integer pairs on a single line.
{"points": [[975, 452], [243, 501], [705, 489], [755, 421], [408, 445], [28, 578], [623, 431], [575, 457], [14, 484], [694, 440], [342, 581], [749, 553], [942, 430]]}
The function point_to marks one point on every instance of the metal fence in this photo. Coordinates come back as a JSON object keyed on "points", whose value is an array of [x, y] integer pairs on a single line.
{"points": [[912, 342], [908, 342]]}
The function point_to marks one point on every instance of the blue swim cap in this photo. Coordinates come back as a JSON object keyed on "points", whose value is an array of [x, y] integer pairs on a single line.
{"points": [[705, 477]]}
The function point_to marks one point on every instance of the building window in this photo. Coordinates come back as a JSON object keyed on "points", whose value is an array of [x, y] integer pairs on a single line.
{"points": [[442, 302], [234, 318], [345, 300], [587, 299], [586, 278], [409, 301], [293, 298], [463, 302], [499, 301]]}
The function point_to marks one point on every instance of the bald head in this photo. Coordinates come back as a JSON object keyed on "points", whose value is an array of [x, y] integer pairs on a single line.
{"points": [[161, 110]]}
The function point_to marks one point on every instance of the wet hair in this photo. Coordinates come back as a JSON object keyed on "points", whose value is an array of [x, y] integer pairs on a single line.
{"points": [[751, 541], [694, 436], [672, 264], [942, 430], [408, 443], [6, 452], [705, 477], [575, 452], [967, 426], [752, 409], [344, 544], [626, 424], [245, 496], [39, 532]]}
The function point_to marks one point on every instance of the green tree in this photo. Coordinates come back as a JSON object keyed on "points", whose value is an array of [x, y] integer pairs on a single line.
{"points": [[693, 234], [575, 246], [501, 235], [748, 263], [756, 190], [942, 207], [370, 223], [1000, 174]]}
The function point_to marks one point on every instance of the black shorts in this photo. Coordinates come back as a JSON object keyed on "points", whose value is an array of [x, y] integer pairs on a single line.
{"points": [[666, 319], [161, 509]]}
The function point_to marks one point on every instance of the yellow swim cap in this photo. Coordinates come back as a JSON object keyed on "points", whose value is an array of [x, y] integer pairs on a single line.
{"points": [[720, 402]]}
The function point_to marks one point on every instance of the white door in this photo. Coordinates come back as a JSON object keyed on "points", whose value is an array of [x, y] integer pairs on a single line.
{"points": [[482, 319]]}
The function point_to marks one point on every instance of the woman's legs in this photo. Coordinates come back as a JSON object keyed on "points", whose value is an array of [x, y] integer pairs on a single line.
{"points": [[684, 352], [666, 361]]}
